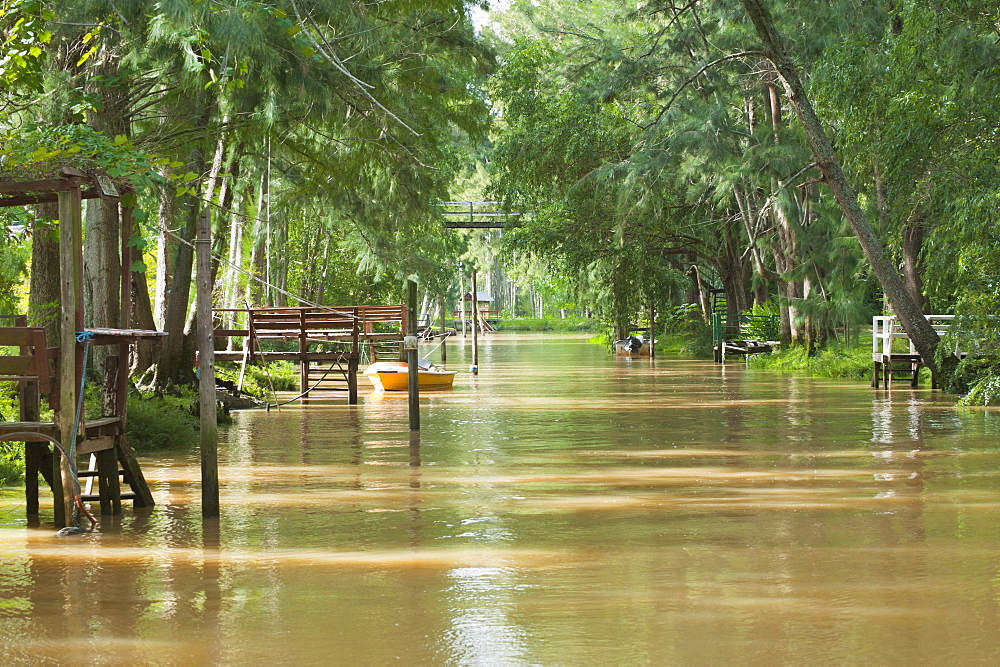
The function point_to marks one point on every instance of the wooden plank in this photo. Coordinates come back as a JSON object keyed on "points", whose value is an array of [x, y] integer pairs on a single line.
{"points": [[110, 489], [99, 444], [22, 187], [133, 474], [17, 336], [17, 367], [228, 333]]}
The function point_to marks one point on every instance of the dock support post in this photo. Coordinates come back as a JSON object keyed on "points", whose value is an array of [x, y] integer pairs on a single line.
{"points": [[352, 380], [412, 382], [70, 321], [444, 334], [461, 287], [206, 387], [652, 330], [475, 327], [303, 356]]}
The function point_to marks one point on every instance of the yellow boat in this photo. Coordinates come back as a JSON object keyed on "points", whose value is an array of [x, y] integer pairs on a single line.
{"points": [[394, 376]]}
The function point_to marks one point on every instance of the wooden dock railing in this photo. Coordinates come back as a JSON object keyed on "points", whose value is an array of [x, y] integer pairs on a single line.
{"points": [[889, 363], [347, 327]]}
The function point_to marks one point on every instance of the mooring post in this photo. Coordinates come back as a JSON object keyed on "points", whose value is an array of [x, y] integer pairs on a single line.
{"points": [[206, 372], [461, 299], [412, 381], [652, 330], [444, 334], [475, 327]]}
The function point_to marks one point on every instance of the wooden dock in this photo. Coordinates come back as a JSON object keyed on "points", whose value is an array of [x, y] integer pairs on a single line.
{"points": [[742, 335], [892, 360], [58, 373], [328, 342]]}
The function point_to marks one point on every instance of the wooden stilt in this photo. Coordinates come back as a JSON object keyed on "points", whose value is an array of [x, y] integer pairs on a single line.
{"points": [[475, 326]]}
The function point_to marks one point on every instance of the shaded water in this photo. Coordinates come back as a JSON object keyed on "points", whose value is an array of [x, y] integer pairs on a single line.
{"points": [[565, 507]]}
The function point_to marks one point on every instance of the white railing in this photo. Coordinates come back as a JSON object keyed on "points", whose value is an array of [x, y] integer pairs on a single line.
{"points": [[885, 328]]}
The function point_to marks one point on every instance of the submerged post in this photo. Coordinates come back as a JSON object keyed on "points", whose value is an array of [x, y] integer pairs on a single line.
{"points": [[412, 381], [475, 327], [206, 372]]}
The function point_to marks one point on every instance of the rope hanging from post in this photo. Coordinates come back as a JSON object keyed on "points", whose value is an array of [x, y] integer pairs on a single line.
{"points": [[81, 337]]}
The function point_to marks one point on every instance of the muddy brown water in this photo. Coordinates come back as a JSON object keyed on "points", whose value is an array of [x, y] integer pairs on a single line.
{"points": [[563, 507]]}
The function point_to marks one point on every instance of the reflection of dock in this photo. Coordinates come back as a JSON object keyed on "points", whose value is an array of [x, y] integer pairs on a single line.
{"points": [[889, 362]]}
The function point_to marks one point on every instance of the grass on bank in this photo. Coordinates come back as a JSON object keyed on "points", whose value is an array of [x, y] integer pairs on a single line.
{"points": [[584, 324], [852, 362]]}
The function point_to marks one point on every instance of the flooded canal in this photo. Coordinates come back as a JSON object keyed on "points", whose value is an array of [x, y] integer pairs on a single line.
{"points": [[563, 507]]}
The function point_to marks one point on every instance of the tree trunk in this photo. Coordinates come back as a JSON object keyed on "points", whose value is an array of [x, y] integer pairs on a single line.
{"points": [[165, 215], [913, 269], [173, 366], [44, 288], [146, 351], [920, 332]]}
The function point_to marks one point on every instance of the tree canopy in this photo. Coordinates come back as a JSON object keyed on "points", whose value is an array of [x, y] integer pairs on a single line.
{"points": [[664, 152]]}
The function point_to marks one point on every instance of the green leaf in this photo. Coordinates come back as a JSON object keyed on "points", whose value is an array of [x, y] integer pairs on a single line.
{"points": [[120, 139], [138, 266], [136, 241]]}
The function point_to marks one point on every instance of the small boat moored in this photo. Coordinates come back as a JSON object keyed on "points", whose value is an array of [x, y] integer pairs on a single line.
{"points": [[633, 346], [394, 376]]}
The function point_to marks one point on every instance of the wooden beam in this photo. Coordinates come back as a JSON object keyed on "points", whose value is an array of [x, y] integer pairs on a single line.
{"points": [[70, 277]]}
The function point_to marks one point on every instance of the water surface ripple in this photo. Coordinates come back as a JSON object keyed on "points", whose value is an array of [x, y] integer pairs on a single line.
{"points": [[563, 507]]}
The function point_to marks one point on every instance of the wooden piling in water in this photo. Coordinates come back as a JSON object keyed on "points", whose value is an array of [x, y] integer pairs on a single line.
{"points": [[444, 334], [206, 367], [475, 327]]}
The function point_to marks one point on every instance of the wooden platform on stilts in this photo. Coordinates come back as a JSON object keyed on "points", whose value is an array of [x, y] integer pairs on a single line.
{"points": [[58, 373], [892, 362], [329, 342]]}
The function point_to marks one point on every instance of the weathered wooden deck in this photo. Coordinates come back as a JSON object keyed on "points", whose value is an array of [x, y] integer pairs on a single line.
{"points": [[329, 336]]}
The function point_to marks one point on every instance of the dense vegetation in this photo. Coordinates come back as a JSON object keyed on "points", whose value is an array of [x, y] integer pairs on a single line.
{"points": [[655, 150]]}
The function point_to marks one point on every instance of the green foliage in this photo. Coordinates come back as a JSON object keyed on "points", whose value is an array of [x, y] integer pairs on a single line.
{"points": [[24, 42], [39, 150], [161, 423], [692, 339], [677, 318], [984, 390], [549, 324], [259, 379], [761, 322], [11, 463], [834, 361], [14, 254]]}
